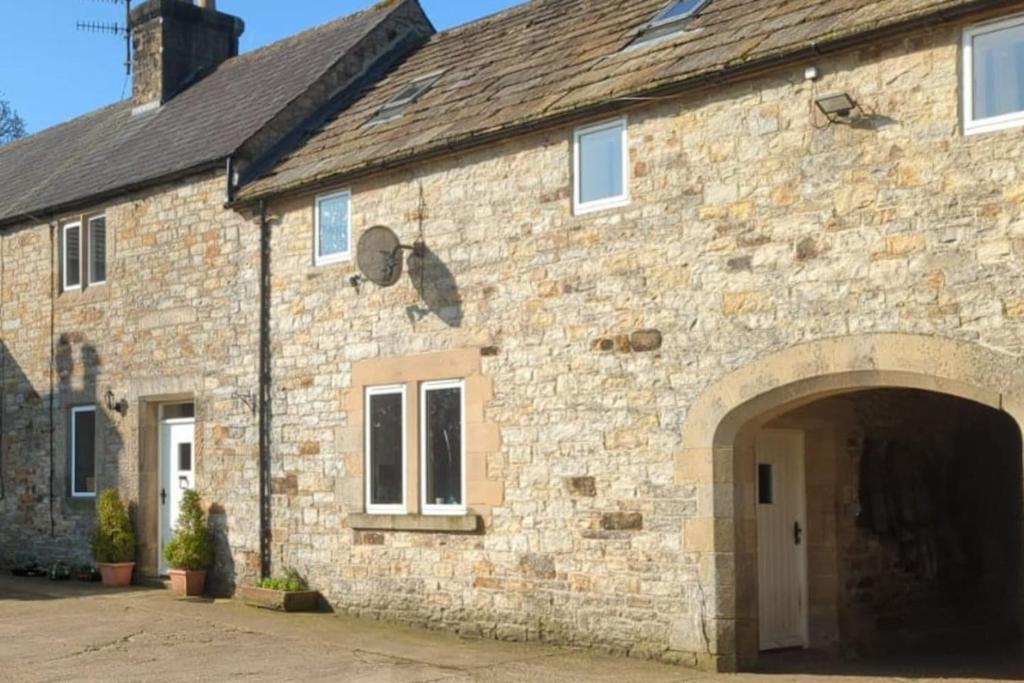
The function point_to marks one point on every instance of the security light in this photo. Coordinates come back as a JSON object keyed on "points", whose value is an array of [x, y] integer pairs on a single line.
{"points": [[836, 106]]}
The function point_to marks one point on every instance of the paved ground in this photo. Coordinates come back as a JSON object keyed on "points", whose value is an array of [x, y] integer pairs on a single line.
{"points": [[61, 632]]}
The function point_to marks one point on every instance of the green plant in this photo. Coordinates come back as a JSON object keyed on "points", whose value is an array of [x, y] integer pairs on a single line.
{"points": [[291, 582], [191, 546], [114, 540]]}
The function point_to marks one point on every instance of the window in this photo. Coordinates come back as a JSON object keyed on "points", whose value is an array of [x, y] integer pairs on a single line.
{"points": [[442, 445], [333, 238], [406, 96], [601, 167], [385, 450], [72, 249], [765, 484], [97, 250], [670, 20], [83, 452], [994, 76], [84, 253]]}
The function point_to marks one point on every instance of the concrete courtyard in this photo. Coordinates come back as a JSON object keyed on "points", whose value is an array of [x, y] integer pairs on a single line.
{"points": [[60, 632]]}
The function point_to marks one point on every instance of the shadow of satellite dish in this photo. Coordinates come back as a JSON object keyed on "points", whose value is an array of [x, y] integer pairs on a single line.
{"points": [[436, 286]]}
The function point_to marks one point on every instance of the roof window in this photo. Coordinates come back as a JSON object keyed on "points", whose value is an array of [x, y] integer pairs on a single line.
{"points": [[406, 96], [670, 20]]}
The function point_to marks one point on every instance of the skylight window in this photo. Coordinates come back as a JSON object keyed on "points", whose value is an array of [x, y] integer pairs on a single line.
{"points": [[406, 96], [670, 20], [678, 11]]}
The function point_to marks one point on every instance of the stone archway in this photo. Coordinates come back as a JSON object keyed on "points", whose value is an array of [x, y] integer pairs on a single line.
{"points": [[724, 626]]}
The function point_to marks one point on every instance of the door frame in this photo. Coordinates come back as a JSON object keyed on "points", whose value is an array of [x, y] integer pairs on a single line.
{"points": [[801, 559], [162, 424]]}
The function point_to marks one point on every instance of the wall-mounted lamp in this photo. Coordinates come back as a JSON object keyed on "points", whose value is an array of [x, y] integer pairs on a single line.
{"points": [[837, 107], [120, 407]]}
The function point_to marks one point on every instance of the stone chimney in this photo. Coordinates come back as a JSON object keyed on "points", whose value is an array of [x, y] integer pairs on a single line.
{"points": [[176, 44]]}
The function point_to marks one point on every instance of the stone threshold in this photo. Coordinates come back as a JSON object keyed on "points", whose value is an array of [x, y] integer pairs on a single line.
{"points": [[460, 524]]}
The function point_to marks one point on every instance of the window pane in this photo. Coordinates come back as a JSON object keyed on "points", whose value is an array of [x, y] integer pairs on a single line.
{"points": [[179, 411], [386, 426], [443, 443], [681, 9], [185, 457], [72, 256], [84, 426], [98, 250], [333, 225], [765, 485], [601, 165], [999, 72]]}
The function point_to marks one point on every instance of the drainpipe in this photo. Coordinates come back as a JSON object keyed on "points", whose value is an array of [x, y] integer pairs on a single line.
{"points": [[54, 274], [264, 388]]}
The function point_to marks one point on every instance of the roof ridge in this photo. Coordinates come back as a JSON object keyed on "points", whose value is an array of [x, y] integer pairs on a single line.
{"points": [[303, 35], [492, 18]]}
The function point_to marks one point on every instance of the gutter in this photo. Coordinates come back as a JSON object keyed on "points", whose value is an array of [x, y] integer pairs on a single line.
{"points": [[728, 74], [118, 192]]}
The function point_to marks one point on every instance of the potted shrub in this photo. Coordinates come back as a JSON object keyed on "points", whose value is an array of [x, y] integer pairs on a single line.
{"points": [[113, 542], [287, 593], [190, 550]]}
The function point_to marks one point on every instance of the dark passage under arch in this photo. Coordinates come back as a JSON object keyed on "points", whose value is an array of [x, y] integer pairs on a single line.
{"points": [[912, 532]]}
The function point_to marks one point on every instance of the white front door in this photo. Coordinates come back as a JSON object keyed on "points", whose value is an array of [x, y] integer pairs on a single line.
{"points": [[177, 474], [781, 539]]}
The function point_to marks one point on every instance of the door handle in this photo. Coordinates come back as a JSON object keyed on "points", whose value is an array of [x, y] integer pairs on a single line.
{"points": [[163, 496], [798, 533]]}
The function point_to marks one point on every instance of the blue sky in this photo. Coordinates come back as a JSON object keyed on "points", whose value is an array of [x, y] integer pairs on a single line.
{"points": [[51, 72]]}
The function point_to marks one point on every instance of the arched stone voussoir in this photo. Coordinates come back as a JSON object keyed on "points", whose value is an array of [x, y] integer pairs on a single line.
{"points": [[813, 370]]}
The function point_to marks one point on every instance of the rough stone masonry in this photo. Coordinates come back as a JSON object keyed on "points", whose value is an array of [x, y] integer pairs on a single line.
{"points": [[586, 342]]}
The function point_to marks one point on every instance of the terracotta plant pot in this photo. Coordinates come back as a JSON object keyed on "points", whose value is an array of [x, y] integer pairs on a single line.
{"points": [[188, 582], [117, 575], [292, 601]]}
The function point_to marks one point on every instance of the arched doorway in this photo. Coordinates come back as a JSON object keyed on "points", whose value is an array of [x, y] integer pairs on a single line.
{"points": [[841, 387], [887, 530]]}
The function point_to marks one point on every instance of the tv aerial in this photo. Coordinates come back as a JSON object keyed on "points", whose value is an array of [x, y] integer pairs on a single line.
{"points": [[121, 30], [380, 256]]}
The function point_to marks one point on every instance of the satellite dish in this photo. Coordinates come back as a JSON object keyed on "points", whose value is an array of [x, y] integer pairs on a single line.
{"points": [[379, 256]]}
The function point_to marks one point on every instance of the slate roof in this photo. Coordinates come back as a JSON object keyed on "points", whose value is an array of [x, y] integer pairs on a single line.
{"points": [[110, 151], [551, 58]]}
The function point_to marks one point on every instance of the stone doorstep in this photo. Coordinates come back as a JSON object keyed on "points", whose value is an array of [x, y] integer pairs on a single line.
{"points": [[462, 524]]}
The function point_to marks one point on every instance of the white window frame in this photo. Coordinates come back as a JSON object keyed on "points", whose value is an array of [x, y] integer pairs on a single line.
{"points": [[580, 208], [990, 124], [89, 258], [433, 508], [403, 508], [341, 256], [64, 255], [658, 21], [75, 493]]}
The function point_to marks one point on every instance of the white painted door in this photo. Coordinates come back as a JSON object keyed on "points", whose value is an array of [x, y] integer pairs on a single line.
{"points": [[781, 539], [177, 474]]}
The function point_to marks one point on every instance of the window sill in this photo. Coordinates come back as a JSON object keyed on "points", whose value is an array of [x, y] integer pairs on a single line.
{"points": [[458, 524], [600, 205]]}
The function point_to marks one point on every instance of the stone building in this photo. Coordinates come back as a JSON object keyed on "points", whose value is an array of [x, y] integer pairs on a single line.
{"points": [[706, 341]]}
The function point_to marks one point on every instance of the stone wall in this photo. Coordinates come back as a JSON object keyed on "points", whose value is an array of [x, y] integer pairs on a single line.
{"points": [[754, 226], [176, 318]]}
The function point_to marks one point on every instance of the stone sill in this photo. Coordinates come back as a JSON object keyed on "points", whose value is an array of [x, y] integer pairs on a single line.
{"points": [[460, 524]]}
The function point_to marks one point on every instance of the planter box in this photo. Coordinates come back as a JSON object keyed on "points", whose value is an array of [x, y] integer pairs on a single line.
{"points": [[117, 574], [188, 583], [299, 601]]}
